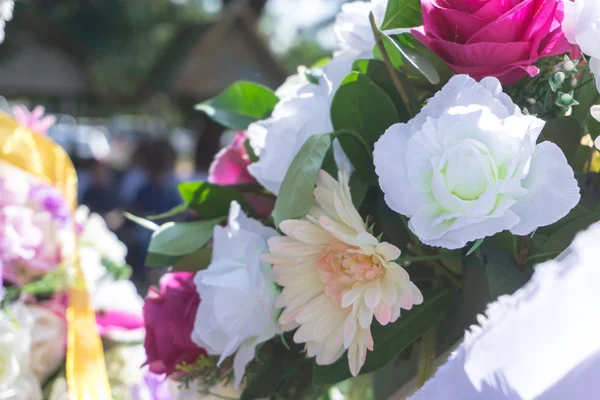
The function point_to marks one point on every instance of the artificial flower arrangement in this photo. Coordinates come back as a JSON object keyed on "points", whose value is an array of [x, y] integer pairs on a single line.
{"points": [[53, 313], [420, 173]]}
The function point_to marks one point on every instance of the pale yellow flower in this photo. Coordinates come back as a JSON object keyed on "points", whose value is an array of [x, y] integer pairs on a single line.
{"points": [[336, 276]]}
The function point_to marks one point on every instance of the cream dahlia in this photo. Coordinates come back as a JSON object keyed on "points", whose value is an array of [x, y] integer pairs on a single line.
{"points": [[336, 276]]}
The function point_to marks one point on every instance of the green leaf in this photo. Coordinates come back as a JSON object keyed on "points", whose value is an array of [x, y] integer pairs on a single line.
{"points": [[402, 14], [392, 339], [141, 221], [359, 105], [211, 201], [587, 96], [321, 63], [401, 54], [504, 277], [154, 260], [378, 73], [558, 241], [179, 239], [171, 213], [250, 151], [358, 190], [194, 262], [566, 133], [475, 246], [240, 104], [296, 194]]}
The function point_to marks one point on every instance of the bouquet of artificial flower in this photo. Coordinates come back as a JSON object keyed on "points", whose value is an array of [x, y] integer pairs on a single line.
{"points": [[41, 244], [423, 171]]}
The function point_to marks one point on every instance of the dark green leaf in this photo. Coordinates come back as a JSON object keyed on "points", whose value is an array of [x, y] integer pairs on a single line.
{"points": [[358, 190], [250, 151], [378, 72], [504, 277], [566, 133], [296, 194], [171, 213], [402, 14], [179, 239], [359, 105], [453, 260], [558, 241], [211, 201], [329, 164], [194, 262], [391, 340], [141, 221], [154, 260], [240, 104]]}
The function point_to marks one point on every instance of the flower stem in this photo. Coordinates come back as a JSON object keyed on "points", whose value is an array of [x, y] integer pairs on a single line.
{"points": [[420, 258], [390, 67]]}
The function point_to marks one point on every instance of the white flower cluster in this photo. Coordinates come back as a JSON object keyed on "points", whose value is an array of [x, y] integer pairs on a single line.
{"points": [[468, 166], [6, 14], [97, 243]]}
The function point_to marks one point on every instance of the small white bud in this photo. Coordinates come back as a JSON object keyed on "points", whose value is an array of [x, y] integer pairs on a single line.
{"points": [[531, 101], [569, 66]]}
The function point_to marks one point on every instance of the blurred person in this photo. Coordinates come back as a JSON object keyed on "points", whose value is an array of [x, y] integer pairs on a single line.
{"points": [[135, 177], [100, 195], [159, 193]]}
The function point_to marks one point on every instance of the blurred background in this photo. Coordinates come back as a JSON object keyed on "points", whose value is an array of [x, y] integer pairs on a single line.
{"points": [[123, 76]]}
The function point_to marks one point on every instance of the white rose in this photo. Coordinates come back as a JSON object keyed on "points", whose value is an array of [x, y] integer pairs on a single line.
{"points": [[278, 139], [17, 381], [292, 84], [238, 293], [581, 26], [468, 167], [355, 36], [48, 342]]}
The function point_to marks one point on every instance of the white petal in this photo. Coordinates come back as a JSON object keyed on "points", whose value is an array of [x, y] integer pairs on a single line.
{"points": [[595, 111], [389, 252], [244, 355], [305, 231], [553, 190], [391, 167], [373, 294], [595, 68]]}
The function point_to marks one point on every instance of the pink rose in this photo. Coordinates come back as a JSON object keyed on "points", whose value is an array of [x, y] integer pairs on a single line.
{"points": [[230, 166], [500, 38], [34, 120], [169, 317]]}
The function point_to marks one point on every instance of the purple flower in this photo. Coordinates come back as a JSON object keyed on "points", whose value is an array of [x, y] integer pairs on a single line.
{"points": [[50, 200], [157, 388]]}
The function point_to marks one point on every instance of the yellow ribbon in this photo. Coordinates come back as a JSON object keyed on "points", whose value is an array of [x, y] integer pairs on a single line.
{"points": [[41, 157]]}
